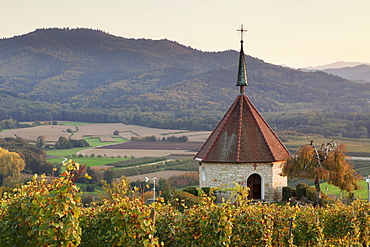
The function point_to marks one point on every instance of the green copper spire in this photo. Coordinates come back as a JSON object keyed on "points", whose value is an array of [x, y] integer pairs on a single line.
{"points": [[242, 71]]}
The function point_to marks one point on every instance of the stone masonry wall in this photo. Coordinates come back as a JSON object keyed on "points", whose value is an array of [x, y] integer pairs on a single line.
{"points": [[225, 174]]}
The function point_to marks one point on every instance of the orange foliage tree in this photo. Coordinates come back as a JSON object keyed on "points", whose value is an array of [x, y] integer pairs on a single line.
{"points": [[326, 163]]}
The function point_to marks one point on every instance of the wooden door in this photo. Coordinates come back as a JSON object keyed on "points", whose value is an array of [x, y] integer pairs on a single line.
{"points": [[254, 185]]}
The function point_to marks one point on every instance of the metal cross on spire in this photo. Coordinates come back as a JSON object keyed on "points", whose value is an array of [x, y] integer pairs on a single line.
{"points": [[241, 30], [242, 71]]}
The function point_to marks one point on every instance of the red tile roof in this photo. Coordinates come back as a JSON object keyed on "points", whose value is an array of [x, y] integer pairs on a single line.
{"points": [[242, 136]]}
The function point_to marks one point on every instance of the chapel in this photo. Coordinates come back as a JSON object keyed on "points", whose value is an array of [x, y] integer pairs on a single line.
{"points": [[243, 149]]}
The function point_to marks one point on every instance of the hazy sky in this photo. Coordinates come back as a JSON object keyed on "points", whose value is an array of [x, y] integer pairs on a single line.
{"points": [[296, 33]]}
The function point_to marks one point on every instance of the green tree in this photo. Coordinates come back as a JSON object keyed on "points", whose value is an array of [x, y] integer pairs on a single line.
{"points": [[327, 163], [108, 176], [63, 143], [11, 165], [36, 123], [40, 141]]}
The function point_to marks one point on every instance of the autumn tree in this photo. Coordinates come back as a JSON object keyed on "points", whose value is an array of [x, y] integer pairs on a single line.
{"points": [[34, 157], [11, 165], [326, 163]]}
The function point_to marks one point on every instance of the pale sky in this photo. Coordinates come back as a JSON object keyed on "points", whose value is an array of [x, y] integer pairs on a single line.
{"points": [[296, 33]]}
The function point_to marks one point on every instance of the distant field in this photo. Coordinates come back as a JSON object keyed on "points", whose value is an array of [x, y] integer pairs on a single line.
{"points": [[90, 161], [96, 141], [356, 147], [93, 141], [98, 134], [193, 146], [63, 152]]}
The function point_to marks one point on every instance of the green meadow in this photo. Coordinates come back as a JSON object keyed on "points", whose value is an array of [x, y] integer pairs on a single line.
{"points": [[60, 154], [331, 189]]}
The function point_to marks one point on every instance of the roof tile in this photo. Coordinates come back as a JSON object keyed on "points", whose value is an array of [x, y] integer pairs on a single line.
{"points": [[242, 136]]}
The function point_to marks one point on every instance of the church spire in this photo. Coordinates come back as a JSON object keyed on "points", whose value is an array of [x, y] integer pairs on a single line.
{"points": [[242, 71]]}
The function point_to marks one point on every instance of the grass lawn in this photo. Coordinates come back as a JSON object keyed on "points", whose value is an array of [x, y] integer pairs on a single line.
{"points": [[361, 193]]}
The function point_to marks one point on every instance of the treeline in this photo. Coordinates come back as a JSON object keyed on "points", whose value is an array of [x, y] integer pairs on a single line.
{"points": [[352, 125], [163, 139], [34, 157], [12, 124], [66, 143], [147, 119]]}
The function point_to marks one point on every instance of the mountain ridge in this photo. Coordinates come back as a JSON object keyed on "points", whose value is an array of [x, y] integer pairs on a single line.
{"points": [[359, 73], [90, 75], [336, 65]]}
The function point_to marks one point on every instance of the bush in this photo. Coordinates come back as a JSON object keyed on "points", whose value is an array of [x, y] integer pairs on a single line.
{"points": [[185, 198], [301, 190], [294, 192], [42, 213], [87, 199], [311, 195], [206, 190], [287, 193], [192, 190]]}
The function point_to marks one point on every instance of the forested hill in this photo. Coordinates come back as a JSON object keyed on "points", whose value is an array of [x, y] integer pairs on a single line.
{"points": [[89, 75]]}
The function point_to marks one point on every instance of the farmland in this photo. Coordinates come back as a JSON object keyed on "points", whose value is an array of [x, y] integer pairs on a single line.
{"points": [[107, 148], [102, 134]]}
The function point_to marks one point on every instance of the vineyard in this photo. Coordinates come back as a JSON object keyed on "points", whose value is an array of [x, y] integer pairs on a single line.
{"points": [[43, 213]]}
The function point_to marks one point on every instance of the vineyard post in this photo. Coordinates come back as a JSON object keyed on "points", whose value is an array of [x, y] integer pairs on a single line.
{"points": [[368, 188], [290, 230]]}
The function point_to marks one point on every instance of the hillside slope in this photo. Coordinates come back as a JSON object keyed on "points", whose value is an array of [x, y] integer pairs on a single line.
{"points": [[89, 75], [356, 73]]}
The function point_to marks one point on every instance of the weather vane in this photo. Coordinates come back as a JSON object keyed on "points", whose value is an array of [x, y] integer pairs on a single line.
{"points": [[241, 30]]}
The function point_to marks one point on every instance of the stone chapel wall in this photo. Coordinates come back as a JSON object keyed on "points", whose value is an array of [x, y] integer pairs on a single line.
{"points": [[225, 174]]}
